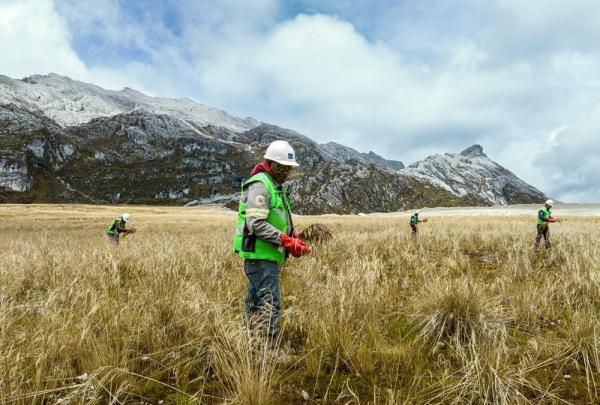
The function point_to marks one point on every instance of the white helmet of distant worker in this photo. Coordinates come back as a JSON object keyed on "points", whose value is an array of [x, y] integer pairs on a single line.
{"points": [[417, 212], [282, 153], [549, 203], [125, 217]]}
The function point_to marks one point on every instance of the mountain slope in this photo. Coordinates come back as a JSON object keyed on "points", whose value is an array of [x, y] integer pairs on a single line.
{"points": [[125, 147], [473, 173], [345, 154], [70, 102]]}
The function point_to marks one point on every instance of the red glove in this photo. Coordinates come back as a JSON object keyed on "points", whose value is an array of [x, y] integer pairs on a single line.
{"points": [[551, 219], [296, 246]]}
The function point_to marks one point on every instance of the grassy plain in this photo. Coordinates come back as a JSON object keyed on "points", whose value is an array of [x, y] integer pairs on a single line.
{"points": [[467, 312]]}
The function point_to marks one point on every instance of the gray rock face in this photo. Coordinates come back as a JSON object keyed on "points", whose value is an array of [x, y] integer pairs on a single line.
{"points": [[325, 184], [309, 153], [66, 141], [13, 176], [472, 173], [473, 151], [344, 154], [15, 119]]}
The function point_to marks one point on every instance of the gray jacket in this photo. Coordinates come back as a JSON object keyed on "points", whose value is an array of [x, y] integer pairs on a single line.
{"points": [[257, 200]]}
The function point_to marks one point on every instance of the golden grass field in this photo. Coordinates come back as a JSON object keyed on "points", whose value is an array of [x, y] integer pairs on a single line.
{"points": [[467, 312]]}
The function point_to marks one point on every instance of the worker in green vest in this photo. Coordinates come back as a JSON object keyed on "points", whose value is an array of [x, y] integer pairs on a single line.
{"points": [[117, 227], [544, 218], [264, 235], [414, 221]]}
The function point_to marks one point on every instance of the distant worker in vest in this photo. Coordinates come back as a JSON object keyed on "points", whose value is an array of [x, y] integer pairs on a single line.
{"points": [[265, 234], [544, 217], [414, 221], [117, 227]]}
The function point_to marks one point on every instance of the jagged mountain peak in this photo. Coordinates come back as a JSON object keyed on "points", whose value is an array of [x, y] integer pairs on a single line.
{"points": [[472, 173], [472, 151], [132, 91]]}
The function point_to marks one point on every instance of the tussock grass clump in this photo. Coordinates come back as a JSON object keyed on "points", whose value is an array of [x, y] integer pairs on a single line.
{"points": [[583, 338], [458, 312], [487, 375], [245, 364]]}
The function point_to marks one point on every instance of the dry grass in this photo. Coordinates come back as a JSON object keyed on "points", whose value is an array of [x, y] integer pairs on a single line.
{"points": [[466, 312]]}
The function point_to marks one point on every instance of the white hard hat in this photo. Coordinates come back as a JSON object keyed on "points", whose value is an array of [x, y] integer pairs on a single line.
{"points": [[549, 203], [417, 212], [125, 217], [282, 153]]}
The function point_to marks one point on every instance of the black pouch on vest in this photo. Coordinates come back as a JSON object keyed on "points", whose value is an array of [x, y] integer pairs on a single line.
{"points": [[248, 241]]}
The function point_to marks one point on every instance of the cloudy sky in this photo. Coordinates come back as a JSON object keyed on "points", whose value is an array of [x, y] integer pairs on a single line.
{"points": [[405, 79]]}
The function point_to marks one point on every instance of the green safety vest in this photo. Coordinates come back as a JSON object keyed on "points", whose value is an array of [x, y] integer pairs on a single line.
{"points": [[414, 220], [547, 214], [112, 228], [249, 246]]}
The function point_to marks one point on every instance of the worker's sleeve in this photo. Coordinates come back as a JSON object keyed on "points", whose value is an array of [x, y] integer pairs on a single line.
{"points": [[257, 212], [118, 227], [290, 221], [542, 216]]}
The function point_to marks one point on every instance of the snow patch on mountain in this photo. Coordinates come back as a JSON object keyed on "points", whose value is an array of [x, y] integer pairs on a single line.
{"points": [[70, 102]]}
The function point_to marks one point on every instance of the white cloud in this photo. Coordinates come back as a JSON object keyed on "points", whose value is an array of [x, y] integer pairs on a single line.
{"points": [[504, 74], [570, 161], [318, 74], [35, 39]]}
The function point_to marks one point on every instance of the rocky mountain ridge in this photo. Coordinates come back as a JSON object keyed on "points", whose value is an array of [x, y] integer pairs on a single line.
{"points": [[344, 154], [70, 102], [473, 172], [153, 151]]}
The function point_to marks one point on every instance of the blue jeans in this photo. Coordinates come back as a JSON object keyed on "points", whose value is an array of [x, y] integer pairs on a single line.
{"points": [[263, 301]]}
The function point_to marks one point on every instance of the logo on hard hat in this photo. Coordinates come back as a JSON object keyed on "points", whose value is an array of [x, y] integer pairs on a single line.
{"points": [[290, 155]]}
